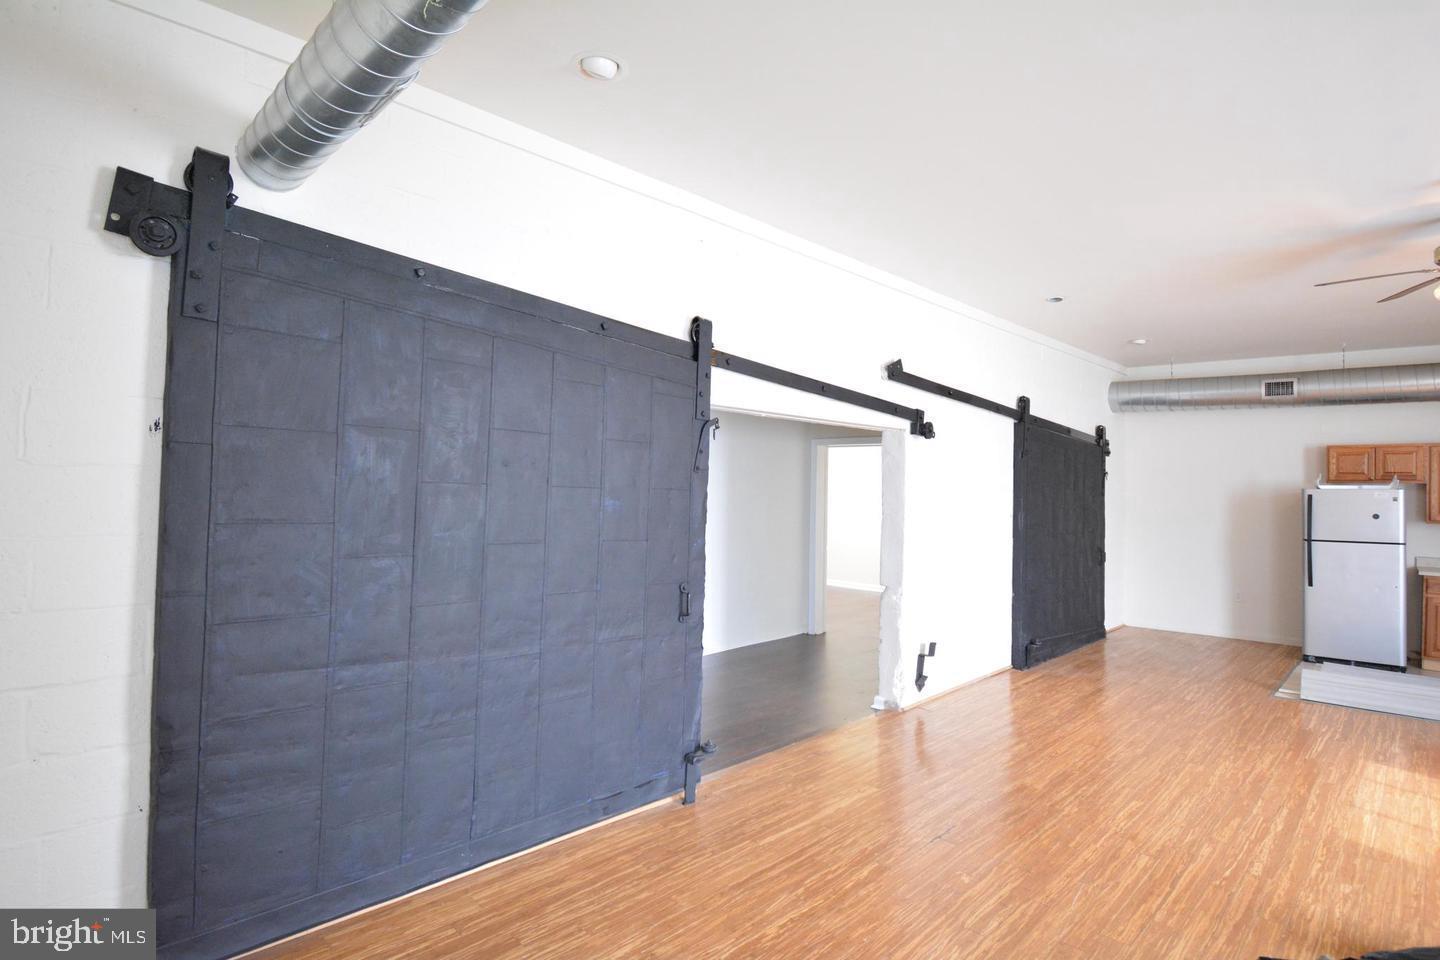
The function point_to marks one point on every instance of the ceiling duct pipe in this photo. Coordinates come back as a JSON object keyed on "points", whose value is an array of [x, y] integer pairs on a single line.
{"points": [[362, 54], [1308, 389]]}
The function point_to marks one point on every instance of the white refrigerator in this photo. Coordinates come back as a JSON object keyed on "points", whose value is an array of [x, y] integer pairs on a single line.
{"points": [[1355, 575]]}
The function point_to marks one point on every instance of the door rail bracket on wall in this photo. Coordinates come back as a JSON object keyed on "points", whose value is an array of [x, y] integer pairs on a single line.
{"points": [[895, 370], [919, 426], [151, 214], [920, 676], [159, 220]]}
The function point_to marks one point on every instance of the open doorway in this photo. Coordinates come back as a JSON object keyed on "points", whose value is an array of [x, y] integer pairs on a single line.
{"points": [[792, 616], [845, 528]]}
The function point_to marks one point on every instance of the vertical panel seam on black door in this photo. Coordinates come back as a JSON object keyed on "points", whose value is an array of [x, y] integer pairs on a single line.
{"points": [[599, 566], [410, 614], [544, 596], [334, 580], [480, 667], [180, 263]]}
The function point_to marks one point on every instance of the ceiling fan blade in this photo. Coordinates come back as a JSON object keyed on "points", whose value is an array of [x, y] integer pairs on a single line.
{"points": [[1408, 290], [1377, 276]]}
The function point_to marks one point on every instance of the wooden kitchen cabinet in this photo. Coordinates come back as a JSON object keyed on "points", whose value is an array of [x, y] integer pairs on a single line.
{"points": [[1407, 461], [1380, 462], [1432, 498], [1350, 464], [1430, 638]]}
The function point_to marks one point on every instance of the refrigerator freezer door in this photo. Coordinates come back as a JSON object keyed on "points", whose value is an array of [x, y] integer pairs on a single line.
{"points": [[1355, 602], [1363, 515]]}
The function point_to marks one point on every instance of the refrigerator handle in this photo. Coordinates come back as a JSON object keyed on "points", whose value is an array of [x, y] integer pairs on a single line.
{"points": [[1309, 544]]}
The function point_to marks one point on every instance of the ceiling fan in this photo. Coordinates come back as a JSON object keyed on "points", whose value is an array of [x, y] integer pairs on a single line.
{"points": [[1408, 290]]}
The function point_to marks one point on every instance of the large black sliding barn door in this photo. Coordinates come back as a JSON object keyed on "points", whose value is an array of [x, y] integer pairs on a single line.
{"points": [[423, 550], [1059, 559]]}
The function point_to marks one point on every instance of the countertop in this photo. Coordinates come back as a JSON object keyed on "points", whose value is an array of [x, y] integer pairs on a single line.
{"points": [[1428, 566]]}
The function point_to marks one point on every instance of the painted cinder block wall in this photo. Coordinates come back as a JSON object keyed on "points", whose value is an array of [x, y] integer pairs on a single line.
{"points": [[91, 84]]}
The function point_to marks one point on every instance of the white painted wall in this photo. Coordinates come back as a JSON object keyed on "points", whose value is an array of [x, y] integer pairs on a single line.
{"points": [[757, 540], [757, 535], [852, 539], [91, 84], [1213, 523]]}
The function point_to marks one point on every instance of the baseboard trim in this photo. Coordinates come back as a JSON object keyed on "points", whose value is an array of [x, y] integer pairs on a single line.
{"points": [[958, 687], [856, 585], [1271, 640]]}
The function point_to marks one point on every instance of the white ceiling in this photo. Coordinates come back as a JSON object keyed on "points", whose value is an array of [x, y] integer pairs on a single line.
{"points": [[1178, 171]]}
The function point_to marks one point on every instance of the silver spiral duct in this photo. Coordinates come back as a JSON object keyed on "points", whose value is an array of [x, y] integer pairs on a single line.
{"points": [[1307, 389], [362, 54]]}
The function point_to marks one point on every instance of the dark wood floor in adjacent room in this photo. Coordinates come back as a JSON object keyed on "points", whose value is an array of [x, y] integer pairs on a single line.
{"points": [[1144, 798], [768, 695]]}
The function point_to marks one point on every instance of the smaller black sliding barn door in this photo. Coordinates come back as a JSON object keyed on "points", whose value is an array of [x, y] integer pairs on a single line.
{"points": [[424, 546], [1059, 576]]}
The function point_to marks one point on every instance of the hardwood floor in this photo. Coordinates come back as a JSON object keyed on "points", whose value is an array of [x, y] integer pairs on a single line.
{"points": [[1145, 797], [767, 695]]}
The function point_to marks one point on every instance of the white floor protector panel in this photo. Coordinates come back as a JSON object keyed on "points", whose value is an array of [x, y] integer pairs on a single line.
{"points": [[1413, 694], [1289, 688]]}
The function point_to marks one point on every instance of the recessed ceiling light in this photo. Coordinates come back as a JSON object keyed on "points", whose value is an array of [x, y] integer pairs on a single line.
{"points": [[1054, 299], [597, 67], [1139, 341]]}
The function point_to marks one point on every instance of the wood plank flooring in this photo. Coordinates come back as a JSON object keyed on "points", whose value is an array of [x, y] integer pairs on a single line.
{"points": [[767, 695], [1145, 797]]}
